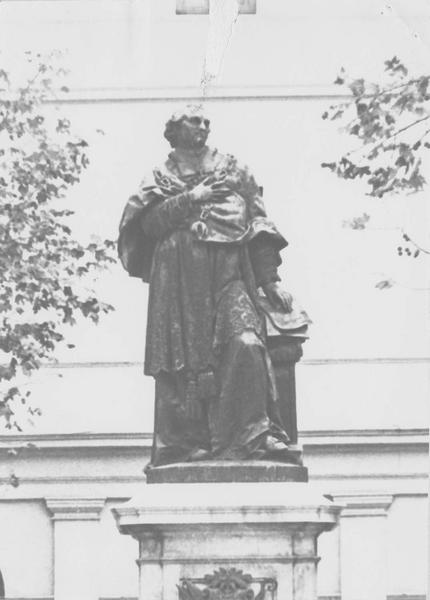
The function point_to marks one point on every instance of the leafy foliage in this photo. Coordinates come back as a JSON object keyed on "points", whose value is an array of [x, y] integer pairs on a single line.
{"points": [[42, 266], [391, 123]]}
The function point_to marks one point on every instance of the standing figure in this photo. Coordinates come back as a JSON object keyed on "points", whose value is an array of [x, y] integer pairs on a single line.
{"points": [[197, 231]]}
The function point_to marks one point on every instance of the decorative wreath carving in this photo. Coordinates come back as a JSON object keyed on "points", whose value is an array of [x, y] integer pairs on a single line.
{"points": [[227, 584]]}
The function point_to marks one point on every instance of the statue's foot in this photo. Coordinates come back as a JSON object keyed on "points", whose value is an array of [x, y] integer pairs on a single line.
{"points": [[276, 449], [272, 444], [199, 454]]}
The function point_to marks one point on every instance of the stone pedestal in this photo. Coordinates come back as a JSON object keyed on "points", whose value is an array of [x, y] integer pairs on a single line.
{"points": [[228, 471], [285, 351], [227, 540]]}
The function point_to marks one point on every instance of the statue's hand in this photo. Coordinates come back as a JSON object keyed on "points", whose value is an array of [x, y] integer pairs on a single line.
{"points": [[208, 189], [278, 297]]}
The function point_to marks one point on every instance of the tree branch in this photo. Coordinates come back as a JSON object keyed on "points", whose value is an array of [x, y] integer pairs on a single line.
{"points": [[401, 130]]}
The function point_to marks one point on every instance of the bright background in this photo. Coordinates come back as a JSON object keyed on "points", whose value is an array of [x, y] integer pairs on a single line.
{"points": [[363, 385], [131, 64]]}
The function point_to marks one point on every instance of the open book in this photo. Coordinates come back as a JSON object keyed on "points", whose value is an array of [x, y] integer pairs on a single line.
{"points": [[278, 322]]}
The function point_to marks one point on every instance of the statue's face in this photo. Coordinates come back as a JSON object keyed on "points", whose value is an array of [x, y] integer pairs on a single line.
{"points": [[193, 132]]}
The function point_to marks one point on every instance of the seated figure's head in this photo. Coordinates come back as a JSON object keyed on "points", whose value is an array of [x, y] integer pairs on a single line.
{"points": [[188, 128]]}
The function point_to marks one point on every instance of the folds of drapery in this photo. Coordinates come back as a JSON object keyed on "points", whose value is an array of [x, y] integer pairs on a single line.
{"points": [[162, 201]]}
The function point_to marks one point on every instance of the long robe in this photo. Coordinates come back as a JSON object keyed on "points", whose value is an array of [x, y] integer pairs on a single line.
{"points": [[205, 341]]}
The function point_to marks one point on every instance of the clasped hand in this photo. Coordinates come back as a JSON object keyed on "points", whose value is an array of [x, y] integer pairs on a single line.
{"points": [[209, 189], [214, 189], [278, 297]]}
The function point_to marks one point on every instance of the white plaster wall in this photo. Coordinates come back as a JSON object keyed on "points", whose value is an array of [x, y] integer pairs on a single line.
{"points": [[407, 532], [123, 44], [403, 550], [75, 467], [334, 396], [331, 269], [26, 548], [118, 555], [329, 579], [118, 43]]}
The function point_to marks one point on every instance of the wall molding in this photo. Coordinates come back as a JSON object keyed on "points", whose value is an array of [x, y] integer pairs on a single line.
{"points": [[408, 360], [133, 479], [40, 441], [337, 597], [406, 597], [324, 597], [75, 509], [192, 93], [72, 479], [418, 476], [136, 440], [359, 505]]}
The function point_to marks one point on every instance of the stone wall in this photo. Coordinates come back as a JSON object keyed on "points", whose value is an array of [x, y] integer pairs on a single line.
{"points": [[363, 385]]}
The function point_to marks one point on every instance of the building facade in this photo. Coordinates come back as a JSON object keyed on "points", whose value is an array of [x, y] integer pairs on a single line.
{"points": [[363, 383]]}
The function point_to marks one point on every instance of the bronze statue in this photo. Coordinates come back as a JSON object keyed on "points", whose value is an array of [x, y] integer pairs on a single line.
{"points": [[197, 231]]}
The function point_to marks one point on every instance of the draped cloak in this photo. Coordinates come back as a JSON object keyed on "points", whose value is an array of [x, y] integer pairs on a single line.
{"points": [[205, 341]]}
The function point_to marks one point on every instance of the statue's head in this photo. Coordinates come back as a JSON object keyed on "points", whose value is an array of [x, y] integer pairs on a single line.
{"points": [[188, 128]]}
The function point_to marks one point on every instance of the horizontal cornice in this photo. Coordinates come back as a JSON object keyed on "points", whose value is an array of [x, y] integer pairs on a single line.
{"points": [[123, 364], [365, 437], [138, 440], [364, 505], [195, 93], [75, 509]]}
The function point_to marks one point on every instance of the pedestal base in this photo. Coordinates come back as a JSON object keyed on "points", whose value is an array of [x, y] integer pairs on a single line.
{"points": [[197, 537], [226, 471]]}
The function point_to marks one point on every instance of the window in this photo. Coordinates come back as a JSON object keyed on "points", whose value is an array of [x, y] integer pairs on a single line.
{"points": [[248, 7], [192, 7], [201, 7]]}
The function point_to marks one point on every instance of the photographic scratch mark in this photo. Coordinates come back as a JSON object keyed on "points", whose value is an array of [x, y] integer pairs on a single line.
{"points": [[223, 15], [408, 21]]}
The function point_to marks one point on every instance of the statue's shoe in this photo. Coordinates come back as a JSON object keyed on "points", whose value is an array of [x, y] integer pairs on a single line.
{"points": [[275, 449], [272, 444], [199, 454]]}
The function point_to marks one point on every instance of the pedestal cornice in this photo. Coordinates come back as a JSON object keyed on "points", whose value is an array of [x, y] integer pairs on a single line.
{"points": [[220, 503]]}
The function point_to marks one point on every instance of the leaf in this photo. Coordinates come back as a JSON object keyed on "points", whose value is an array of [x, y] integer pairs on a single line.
{"points": [[331, 166], [13, 480], [394, 66], [384, 284], [38, 250], [358, 222], [357, 87]]}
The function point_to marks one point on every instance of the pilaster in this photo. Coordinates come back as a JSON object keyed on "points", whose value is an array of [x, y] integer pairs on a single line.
{"points": [[76, 568]]}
